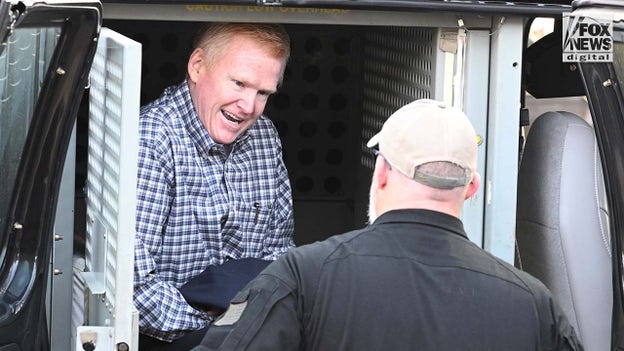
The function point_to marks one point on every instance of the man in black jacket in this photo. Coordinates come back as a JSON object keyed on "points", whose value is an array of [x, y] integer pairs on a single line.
{"points": [[409, 281]]}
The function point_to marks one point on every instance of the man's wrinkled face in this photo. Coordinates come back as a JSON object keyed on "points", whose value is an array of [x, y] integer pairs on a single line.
{"points": [[231, 94]]}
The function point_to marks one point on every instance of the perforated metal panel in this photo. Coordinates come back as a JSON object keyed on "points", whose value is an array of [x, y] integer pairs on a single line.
{"points": [[166, 48], [317, 111], [111, 185], [399, 67]]}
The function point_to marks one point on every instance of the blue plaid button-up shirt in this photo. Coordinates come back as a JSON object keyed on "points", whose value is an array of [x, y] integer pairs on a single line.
{"points": [[198, 205]]}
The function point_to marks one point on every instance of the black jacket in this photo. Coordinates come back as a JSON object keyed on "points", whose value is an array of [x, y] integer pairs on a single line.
{"points": [[410, 281]]}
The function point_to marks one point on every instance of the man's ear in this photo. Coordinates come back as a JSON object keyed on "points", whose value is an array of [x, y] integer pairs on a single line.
{"points": [[195, 64], [473, 186], [380, 173]]}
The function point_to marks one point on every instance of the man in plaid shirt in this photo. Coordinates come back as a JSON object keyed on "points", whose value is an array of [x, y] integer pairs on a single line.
{"points": [[212, 185]]}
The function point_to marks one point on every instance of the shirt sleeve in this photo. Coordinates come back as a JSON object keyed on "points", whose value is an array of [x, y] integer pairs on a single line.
{"points": [[163, 311], [281, 231], [263, 316]]}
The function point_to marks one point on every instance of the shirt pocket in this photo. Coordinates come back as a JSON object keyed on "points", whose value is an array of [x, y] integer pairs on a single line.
{"points": [[256, 217]]}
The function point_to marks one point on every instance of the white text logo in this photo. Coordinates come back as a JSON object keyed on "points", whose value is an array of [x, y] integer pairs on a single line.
{"points": [[587, 39]]}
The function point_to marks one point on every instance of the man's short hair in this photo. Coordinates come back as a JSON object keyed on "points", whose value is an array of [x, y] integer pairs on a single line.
{"points": [[213, 38]]}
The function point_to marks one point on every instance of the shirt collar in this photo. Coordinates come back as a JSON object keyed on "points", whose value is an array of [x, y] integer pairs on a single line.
{"points": [[423, 216]]}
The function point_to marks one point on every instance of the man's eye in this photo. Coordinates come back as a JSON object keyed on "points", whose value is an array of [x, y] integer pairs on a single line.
{"points": [[239, 83]]}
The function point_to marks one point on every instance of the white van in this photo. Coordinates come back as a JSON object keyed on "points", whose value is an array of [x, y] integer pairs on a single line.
{"points": [[542, 88]]}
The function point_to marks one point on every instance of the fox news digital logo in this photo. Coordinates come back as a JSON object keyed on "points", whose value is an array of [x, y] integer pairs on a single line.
{"points": [[587, 39]]}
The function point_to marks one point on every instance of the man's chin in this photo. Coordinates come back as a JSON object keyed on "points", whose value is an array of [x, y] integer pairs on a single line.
{"points": [[225, 138]]}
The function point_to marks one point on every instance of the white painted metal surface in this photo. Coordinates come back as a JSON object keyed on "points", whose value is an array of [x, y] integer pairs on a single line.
{"points": [[501, 177], [111, 187], [474, 104]]}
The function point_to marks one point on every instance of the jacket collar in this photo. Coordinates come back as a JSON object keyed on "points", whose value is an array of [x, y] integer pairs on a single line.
{"points": [[423, 216]]}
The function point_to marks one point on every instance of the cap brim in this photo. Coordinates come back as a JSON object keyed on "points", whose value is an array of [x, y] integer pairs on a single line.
{"points": [[374, 140]]}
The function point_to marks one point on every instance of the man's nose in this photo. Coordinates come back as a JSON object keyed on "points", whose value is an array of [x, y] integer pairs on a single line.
{"points": [[247, 101]]}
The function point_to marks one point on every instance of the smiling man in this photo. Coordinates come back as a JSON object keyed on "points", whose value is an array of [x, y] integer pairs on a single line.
{"points": [[212, 185]]}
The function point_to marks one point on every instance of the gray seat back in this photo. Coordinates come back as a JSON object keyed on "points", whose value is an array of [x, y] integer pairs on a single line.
{"points": [[562, 223]]}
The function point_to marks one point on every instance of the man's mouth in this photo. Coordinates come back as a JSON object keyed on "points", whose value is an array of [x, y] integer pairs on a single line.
{"points": [[232, 118]]}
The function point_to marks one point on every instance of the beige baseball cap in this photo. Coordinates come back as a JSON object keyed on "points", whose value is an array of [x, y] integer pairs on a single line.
{"points": [[427, 131]]}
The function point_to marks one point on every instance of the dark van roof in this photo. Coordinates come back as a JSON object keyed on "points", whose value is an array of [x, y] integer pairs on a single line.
{"points": [[520, 7]]}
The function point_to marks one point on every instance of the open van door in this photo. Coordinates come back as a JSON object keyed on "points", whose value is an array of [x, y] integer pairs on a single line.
{"points": [[45, 56], [354, 61], [604, 86]]}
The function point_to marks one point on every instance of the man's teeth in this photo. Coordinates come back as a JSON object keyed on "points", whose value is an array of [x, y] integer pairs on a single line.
{"points": [[230, 117]]}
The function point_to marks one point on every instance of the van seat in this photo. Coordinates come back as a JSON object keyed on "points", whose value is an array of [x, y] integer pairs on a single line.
{"points": [[562, 223]]}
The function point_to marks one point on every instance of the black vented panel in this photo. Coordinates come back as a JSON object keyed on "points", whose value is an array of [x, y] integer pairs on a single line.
{"points": [[399, 67], [318, 111], [166, 47]]}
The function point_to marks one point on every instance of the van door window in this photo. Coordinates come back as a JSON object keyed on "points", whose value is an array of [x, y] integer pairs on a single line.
{"points": [[23, 64]]}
